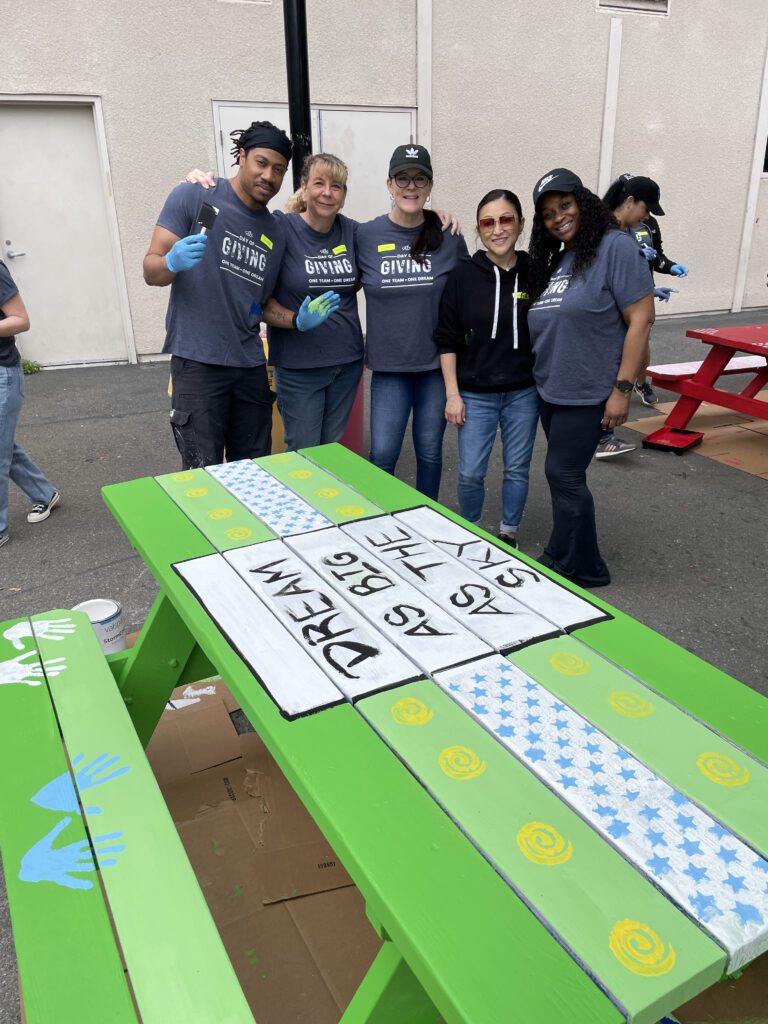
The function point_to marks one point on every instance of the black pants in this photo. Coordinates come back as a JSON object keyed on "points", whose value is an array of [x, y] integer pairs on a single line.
{"points": [[220, 409], [572, 435]]}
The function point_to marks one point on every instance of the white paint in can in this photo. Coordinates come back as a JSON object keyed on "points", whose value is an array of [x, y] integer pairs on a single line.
{"points": [[107, 620]]}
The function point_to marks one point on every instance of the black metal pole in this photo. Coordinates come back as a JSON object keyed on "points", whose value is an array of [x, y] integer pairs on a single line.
{"points": [[297, 63]]}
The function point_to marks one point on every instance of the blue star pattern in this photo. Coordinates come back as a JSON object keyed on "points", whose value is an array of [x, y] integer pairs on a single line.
{"points": [[282, 510], [702, 866]]}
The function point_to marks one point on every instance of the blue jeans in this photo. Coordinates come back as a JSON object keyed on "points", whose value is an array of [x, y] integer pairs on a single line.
{"points": [[393, 396], [315, 403], [516, 413], [14, 463]]}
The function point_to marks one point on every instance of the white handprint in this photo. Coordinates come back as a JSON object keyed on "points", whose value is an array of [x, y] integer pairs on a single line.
{"points": [[33, 674], [46, 629]]}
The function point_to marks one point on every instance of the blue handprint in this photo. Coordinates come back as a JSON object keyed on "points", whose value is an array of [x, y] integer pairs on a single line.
{"points": [[59, 794], [44, 863]]}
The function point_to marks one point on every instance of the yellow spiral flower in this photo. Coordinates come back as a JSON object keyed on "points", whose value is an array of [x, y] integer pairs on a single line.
{"points": [[461, 763], [410, 711], [182, 478], [238, 532], [630, 705], [301, 474], [196, 492], [722, 769], [569, 664], [327, 492], [543, 844], [285, 457], [638, 948], [350, 510], [220, 513]]}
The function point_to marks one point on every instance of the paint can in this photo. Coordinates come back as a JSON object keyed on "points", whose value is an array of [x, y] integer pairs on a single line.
{"points": [[106, 618]]}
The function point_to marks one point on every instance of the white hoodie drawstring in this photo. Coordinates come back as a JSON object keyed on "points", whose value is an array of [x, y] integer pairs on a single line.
{"points": [[514, 312], [496, 307]]}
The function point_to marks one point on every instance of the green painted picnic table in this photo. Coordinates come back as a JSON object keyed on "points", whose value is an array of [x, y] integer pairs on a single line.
{"points": [[501, 897]]}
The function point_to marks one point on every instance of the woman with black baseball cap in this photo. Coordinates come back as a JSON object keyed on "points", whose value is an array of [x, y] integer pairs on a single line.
{"points": [[404, 258], [589, 323]]}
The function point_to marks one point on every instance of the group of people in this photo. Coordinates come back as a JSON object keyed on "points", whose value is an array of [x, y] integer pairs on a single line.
{"points": [[495, 342]]}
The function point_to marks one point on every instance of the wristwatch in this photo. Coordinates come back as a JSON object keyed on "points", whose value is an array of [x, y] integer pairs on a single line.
{"points": [[624, 386]]}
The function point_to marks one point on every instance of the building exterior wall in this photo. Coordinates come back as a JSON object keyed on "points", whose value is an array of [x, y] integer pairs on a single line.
{"points": [[519, 86]]}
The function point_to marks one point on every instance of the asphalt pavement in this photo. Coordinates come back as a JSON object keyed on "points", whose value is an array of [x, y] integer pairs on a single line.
{"points": [[685, 537]]}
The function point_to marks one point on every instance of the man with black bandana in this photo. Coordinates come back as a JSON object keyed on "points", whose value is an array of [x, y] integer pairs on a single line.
{"points": [[222, 403]]}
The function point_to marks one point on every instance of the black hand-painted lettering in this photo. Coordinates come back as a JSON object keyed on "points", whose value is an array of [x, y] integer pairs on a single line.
{"points": [[326, 605], [359, 652], [477, 604], [275, 575], [315, 633], [516, 577], [403, 614]]}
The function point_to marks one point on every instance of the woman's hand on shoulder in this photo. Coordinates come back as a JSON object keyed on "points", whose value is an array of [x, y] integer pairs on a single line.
{"points": [[197, 177], [455, 410], [449, 221]]}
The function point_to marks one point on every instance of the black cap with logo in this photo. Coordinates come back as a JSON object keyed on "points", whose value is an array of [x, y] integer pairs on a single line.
{"points": [[646, 190], [412, 156], [558, 180]]}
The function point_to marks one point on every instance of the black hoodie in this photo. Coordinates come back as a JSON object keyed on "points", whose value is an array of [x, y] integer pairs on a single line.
{"points": [[483, 319]]}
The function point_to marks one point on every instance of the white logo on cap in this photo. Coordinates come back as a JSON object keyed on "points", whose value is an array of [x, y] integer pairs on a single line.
{"points": [[412, 152], [545, 181]]}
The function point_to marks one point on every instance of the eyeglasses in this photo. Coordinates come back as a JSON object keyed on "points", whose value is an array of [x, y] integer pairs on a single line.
{"points": [[506, 220], [404, 180]]}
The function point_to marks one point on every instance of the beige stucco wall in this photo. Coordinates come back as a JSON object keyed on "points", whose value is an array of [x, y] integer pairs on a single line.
{"points": [[158, 66], [518, 87]]}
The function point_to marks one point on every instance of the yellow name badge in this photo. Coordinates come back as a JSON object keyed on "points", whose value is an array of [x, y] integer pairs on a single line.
{"points": [[386, 247], [266, 241], [520, 295], [339, 250]]}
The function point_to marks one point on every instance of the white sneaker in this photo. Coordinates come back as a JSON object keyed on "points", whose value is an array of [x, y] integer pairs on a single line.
{"points": [[646, 393], [613, 446], [41, 511]]}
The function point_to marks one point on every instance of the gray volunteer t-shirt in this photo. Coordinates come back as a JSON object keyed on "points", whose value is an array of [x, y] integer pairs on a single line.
{"points": [[209, 315], [577, 330], [402, 297], [9, 354], [315, 263]]}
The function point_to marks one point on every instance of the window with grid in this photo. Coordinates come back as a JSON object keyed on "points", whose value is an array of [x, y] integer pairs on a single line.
{"points": [[635, 6]]}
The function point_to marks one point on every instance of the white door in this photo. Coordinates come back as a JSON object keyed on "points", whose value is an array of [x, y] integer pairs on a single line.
{"points": [[55, 234]]}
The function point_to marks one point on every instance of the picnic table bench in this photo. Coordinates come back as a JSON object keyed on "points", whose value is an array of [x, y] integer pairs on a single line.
{"points": [[98, 881]]}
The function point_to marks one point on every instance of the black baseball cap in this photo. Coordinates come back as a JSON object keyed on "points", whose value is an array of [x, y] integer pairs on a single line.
{"points": [[647, 190], [406, 157], [558, 180]]}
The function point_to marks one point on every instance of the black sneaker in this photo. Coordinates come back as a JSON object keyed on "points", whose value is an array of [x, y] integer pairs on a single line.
{"points": [[509, 538], [41, 511], [4, 538], [613, 446], [647, 395]]}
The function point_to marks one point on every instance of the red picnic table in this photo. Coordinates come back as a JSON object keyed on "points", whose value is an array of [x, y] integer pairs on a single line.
{"points": [[697, 382]]}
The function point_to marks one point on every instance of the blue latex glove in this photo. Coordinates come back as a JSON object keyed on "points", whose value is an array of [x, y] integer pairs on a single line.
{"points": [[678, 270], [649, 253], [313, 312], [186, 253], [663, 293]]}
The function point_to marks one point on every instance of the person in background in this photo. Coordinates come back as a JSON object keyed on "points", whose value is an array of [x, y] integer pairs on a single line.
{"points": [[487, 364], [222, 403], [404, 259], [590, 319], [632, 200], [15, 464], [317, 377]]}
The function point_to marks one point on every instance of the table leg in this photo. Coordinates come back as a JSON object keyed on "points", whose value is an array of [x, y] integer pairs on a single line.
{"points": [[673, 436], [757, 384], [154, 666], [390, 994]]}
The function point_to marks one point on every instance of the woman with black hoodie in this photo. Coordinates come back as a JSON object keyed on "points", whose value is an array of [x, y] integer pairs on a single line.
{"points": [[485, 356]]}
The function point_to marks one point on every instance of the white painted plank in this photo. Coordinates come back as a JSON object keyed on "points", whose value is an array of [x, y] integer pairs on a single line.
{"points": [[289, 675], [711, 874], [274, 503], [493, 615], [426, 633], [510, 574], [358, 659]]}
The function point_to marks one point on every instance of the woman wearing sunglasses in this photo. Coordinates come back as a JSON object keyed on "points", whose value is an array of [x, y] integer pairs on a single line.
{"points": [[404, 258], [589, 323], [485, 355]]}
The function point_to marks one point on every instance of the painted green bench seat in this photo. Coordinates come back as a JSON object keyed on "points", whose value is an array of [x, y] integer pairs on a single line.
{"points": [[76, 786]]}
